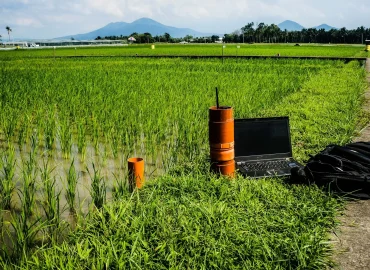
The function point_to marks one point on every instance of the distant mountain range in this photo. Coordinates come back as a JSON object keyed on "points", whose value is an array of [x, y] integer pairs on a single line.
{"points": [[143, 25], [146, 25], [293, 26]]}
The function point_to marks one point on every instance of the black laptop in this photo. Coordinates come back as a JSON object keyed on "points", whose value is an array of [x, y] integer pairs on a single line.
{"points": [[263, 147]]}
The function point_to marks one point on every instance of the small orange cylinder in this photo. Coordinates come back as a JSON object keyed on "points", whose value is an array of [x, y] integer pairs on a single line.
{"points": [[221, 139], [136, 172]]}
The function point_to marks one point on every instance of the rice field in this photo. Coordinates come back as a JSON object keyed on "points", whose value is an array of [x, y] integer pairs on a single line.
{"points": [[68, 125], [195, 49]]}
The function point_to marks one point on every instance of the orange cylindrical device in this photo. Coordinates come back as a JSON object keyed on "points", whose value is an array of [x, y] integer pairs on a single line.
{"points": [[221, 125], [221, 139], [136, 172]]}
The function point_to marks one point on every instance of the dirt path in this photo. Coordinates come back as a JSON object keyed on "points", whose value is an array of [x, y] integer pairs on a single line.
{"points": [[352, 238]]}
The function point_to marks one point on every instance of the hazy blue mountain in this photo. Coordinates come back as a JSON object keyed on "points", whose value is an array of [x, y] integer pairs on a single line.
{"points": [[290, 26], [143, 25], [324, 26]]}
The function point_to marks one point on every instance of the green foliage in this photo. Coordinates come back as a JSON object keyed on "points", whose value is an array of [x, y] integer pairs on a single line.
{"points": [[201, 222]]}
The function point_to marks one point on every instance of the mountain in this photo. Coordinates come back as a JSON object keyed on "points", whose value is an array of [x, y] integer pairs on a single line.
{"points": [[143, 25], [290, 26], [325, 27]]}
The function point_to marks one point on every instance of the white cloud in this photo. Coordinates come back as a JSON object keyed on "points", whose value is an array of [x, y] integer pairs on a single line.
{"points": [[27, 22]]}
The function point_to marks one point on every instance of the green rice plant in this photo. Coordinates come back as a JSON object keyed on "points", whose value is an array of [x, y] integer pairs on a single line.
{"points": [[7, 185], [81, 140], [114, 139], [49, 133], [34, 142], [9, 123], [65, 138], [120, 187], [98, 190], [51, 204], [22, 133], [26, 224], [25, 235], [71, 189], [28, 181]]}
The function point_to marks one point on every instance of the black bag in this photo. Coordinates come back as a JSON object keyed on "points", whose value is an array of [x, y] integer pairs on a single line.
{"points": [[344, 169]]}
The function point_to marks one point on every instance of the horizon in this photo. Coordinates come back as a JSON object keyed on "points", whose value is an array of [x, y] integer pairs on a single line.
{"points": [[54, 18]]}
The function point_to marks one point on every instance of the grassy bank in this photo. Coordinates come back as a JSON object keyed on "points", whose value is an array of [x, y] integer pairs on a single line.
{"points": [[201, 222]]}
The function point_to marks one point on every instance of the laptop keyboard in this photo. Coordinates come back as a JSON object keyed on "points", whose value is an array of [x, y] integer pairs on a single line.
{"points": [[268, 165]]}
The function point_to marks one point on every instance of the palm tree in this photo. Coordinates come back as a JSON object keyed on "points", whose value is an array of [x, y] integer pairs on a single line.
{"points": [[9, 30]]}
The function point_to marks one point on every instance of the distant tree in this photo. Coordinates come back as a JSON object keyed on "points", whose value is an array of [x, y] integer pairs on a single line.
{"points": [[148, 37], [72, 38], [260, 31], [248, 31], [167, 37], [98, 38], [9, 30], [214, 38], [188, 38]]}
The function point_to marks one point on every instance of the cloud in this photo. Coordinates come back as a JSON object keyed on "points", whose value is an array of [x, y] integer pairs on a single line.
{"points": [[27, 22]]}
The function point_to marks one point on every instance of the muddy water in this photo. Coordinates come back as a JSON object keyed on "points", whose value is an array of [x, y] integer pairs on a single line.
{"points": [[110, 170]]}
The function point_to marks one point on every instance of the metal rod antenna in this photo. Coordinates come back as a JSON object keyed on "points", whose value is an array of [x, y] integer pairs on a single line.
{"points": [[217, 104]]}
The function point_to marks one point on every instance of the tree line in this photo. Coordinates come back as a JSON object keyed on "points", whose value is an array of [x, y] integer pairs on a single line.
{"points": [[263, 33]]}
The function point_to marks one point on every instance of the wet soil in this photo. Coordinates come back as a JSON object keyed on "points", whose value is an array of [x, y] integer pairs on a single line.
{"points": [[352, 238]]}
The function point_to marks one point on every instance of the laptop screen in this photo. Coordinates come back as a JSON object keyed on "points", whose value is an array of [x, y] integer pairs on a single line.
{"points": [[262, 136]]}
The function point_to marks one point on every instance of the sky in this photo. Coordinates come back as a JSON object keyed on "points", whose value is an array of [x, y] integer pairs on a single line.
{"points": [[55, 18]]}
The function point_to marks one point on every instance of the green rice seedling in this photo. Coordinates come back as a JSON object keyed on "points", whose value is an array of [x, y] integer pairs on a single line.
{"points": [[7, 185], [120, 187], [49, 133], [51, 203], [81, 140], [114, 139], [71, 189], [26, 233], [22, 133], [9, 123], [26, 225], [28, 180], [34, 142], [65, 138], [98, 188]]}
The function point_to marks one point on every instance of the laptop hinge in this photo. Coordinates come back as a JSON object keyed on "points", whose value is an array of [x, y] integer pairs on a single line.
{"points": [[264, 157]]}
